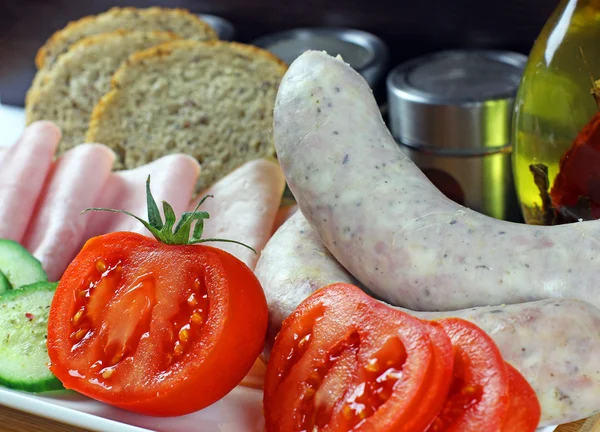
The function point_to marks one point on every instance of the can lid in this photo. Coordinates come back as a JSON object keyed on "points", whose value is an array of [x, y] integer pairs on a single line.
{"points": [[365, 52], [224, 28], [456, 100]]}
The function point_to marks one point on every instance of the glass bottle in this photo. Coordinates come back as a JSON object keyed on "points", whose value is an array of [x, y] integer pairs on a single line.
{"points": [[556, 125]]}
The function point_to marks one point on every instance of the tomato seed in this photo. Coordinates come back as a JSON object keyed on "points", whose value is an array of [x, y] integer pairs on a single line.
{"points": [[117, 358], [77, 317], [309, 392], [178, 349], [107, 373], [372, 365], [101, 265], [304, 341], [436, 425], [196, 318], [384, 395], [184, 333], [197, 284], [361, 412], [314, 379], [347, 412], [79, 334], [468, 390], [192, 300]]}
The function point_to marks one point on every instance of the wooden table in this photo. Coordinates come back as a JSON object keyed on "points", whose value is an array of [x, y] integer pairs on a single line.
{"points": [[16, 421], [591, 424]]}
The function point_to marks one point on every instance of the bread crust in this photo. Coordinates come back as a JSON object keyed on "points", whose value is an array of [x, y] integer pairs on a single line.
{"points": [[111, 105], [163, 50], [48, 86], [60, 37]]}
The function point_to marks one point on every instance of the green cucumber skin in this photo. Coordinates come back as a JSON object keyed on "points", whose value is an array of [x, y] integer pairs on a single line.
{"points": [[18, 265], [23, 355], [4, 284]]}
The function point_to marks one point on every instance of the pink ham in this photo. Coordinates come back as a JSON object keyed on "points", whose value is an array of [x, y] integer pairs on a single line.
{"points": [[243, 208], [283, 214], [74, 183], [23, 170], [173, 179]]}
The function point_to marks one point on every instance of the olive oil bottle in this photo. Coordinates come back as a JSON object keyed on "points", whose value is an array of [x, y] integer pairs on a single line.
{"points": [[556, 114]]}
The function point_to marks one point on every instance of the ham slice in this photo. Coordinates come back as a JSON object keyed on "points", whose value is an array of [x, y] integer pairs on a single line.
{"points": [[244, 207], [74, 183], [283, 214], [23, 171], [173, 178]]}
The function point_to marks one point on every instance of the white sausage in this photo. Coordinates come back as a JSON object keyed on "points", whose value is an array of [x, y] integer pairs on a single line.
{"points": [[391, 228], [555, 344], [292, 266]]}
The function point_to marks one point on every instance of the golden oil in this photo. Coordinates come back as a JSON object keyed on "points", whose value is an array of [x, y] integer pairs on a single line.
{"points": [[554, 100]]}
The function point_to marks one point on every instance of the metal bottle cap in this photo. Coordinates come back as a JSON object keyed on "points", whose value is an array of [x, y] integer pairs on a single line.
{"points": [[460, 102]]}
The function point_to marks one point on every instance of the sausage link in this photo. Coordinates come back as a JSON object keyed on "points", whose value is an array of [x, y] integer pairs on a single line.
{"points": [[385, 222], [555, 344]]}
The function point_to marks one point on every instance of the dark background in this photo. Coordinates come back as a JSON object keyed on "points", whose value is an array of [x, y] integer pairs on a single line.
{"points": [[410, 27]]}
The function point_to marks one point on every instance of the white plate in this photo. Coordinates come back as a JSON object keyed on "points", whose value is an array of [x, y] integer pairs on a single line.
{"points": [[239, 411]]}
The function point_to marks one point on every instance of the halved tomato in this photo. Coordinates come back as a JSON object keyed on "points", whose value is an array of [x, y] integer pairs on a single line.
{"points": [[345, 361], [479, 395], [524, 411], [156, 327]]}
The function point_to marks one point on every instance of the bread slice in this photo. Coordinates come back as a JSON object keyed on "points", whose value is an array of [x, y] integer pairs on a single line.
{"points": [[179, 21], [81, 77], [212, 100]]}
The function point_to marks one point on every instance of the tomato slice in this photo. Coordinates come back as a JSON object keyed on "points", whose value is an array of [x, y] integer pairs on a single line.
{"points": [[154, 328], [434, 390], [478, 398], [524, 411], [344, 361]]}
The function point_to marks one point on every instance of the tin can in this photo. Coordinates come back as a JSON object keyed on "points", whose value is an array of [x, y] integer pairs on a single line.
{"points": [[363, 51], [451, 112], [224, 28]]}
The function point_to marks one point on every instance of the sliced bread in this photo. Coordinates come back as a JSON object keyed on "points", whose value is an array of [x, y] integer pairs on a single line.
{"points": [[212, 100], [179, 21], [81, 76]]}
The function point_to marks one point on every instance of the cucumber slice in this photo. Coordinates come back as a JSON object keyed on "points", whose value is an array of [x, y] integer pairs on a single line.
{"points": [[23, 332], [4, 283], [18, 265]]}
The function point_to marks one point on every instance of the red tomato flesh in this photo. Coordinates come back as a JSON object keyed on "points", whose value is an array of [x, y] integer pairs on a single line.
{"points": [[344, 361], [524, 411], [478, 398], [152, 328], [434, 390]]}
